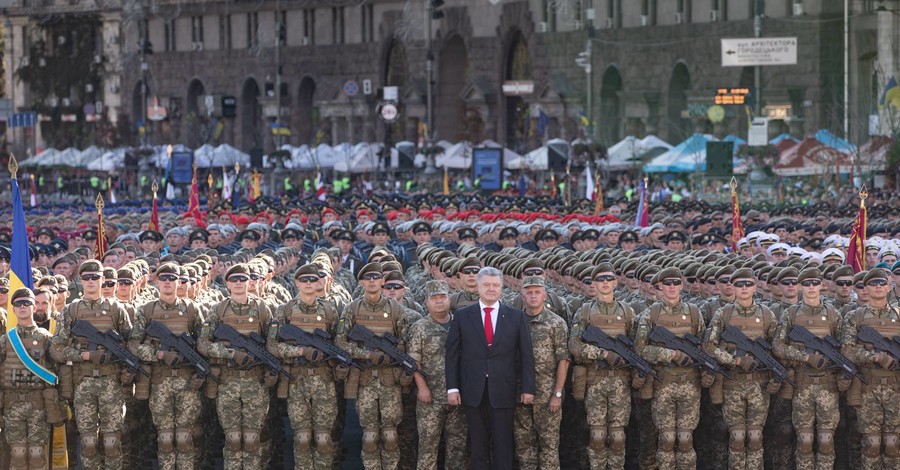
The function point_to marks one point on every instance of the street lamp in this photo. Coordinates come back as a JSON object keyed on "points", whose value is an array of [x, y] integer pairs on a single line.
{"points": [[433, 12]]}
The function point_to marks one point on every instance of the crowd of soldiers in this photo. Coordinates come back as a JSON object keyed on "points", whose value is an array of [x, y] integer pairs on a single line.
{"points": [[655, 347]]}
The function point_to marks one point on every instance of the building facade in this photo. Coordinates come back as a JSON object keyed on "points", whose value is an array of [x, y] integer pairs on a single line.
{"points": [[655, 66]]}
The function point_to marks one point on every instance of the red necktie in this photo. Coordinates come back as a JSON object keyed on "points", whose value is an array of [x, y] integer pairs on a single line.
{"points": [[488, 326]]}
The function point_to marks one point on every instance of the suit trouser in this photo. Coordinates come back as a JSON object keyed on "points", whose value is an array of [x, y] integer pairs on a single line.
{"points": [[491, 434]]}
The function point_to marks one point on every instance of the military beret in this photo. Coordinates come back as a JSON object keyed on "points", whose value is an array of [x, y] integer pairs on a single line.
{"points": [[395, 276], [895, 267], [532, 281], [667, 273], [809, 273], [786, 273], [90, 265], [126, 273], [858, 277], [167, 268], [22, 293], [369, 268], [842, 271], [875, 274], [743, 273], [151, 235], [239, 268], [308, 269], [436, 288]]}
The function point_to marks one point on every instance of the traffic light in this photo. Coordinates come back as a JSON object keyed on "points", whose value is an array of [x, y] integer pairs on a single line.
{"points": [[436, 12]]}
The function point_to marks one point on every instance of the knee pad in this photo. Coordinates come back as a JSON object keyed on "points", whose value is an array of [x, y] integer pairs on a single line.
{"points": [[805, 441], [112, 445], [685, 440], [302, 440], [737, 437], [18, 456], [872, 446], [184, 440], [754, 438], [36, 457], [667, 440], [324, 445], [251, 440], [826, 442], [89, 446], [233, 439], [390, 439], [370, 440], [891, 445], [165, 441], [617, 439], [783, 433], [598, 437]]}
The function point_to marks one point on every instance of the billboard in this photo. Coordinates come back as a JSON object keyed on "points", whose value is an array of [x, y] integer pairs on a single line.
{"points": [[488, 167], [182, 166]]}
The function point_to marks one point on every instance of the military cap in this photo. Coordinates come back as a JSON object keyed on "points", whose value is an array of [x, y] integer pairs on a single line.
{"points": [[22, 293], [842, 271], [239, 268], [809, 273], [875, 274], [199, 234], [532, 263], [379, 227], [60, 245], [345, 235], [167, 268], [533, 281], [249, 235], [601, 268], [470, 262], [151, 235], [667, 273], [5, 254], [126, 273], [4, 281], [369, 268], [859, 277], [833, 254], [436, 288], [395, 276], [308, 269], [466, 232], [291, 233], [110, 273], [725, 271], [628, 236], [743, 273], [420, 227], [786, 273], [45, 231], [508, 232], [676, 235], [546, 234], [90, 265]]}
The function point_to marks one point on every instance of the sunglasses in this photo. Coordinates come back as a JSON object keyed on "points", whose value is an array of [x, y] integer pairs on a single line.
{"points": [[606, 278], [725, 280], [470, 271], [307, 279], [717, 219], [23, 303], [183, 280], [671, 282], [394, 286], [322, 274], [811, 283], [255, 277], [533, 272], [167, 277], [91, 277], [108, 284], [629, 276], [877, 283], [647, 279], [843, 283], [4, 290], [238, 278], [587, 281], [860, 286], [744, 283], [125, 282], [789, 282], [372, 276], [711, 282], [691, 279]]}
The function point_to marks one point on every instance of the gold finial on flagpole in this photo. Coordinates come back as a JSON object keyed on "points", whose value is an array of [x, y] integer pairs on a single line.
{"points": [[154, 187], [733, 184], [237, 168], [99, 203], [209, 181], [863, 194], [13, 166]]}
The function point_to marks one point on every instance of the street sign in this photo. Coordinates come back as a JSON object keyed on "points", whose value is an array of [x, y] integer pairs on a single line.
{"points": [[759, 51], [518, 87], [367, 87], [156, 112], [351, 88], [758, 133], [389, 112]]}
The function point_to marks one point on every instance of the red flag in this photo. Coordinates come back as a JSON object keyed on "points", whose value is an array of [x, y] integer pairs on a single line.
{"points": [[194, 205], [737, 227], [154, 216], [101, 245], [856, 253]]}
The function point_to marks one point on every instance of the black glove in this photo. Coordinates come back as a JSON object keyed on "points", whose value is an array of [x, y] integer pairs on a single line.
{"points": [[746, 363], [681, 359], [241, 359], [378, 358], [613, 359], [99, 357], [172, 359]]}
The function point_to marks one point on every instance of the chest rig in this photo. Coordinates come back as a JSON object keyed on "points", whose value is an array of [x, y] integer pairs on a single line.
{"points": [[308, 317], [14, 374], [380, 319]]}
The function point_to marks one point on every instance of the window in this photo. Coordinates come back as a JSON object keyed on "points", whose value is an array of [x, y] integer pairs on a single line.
{"points": [[337, 25], [170, 34], [309, 26], [368, 23], [197, 29], [252, 29], [225, 32], [281, 27]]}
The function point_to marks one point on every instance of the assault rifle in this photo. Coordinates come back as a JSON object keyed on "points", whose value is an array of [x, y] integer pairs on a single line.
{"points": [[689, 345], [868, 334], [386, 343], [621, 345], [255, 346], [317, 339], [827, 347], [760, 349], [183, 344], [111, 341]]}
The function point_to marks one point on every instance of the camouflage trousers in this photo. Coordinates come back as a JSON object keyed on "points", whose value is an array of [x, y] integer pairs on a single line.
{"points": [[174, 408], [676, 412], [99, 403], [312, 408], [433, 420], [745, 409], [815, 417], [407, 429], [648, 434], [27, 433], [380, 411], [711, 435], [608, 404], [778, 436], [536, 432], [242, 406], [879, 423]]}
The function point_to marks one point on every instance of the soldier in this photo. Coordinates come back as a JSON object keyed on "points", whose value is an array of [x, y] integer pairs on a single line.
{"points": [[243, 401], [815, 405], [676, 401], [174, 394], [468, 284], [29, 403], [549, 338], [746, 394], [607, 388], [878, 418], [98, 395], [434, 417], [378, 403]]}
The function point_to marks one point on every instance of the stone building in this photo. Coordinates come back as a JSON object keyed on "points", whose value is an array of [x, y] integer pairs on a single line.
{"points": [[655, 66]]}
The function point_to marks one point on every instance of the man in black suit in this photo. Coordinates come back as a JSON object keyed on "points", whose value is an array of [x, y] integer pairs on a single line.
{"points": [[490, 358]]}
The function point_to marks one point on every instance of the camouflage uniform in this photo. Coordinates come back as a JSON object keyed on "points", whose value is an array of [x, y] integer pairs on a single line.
{"points": [[174, 395], [427, 345], [778, 433], [378, 401], [642, 409], [815, 403], [311, 396], [536, 428], [676, 401], [243, 399], [879, 415], [608, 393], [746, 401], [24, 413], [462, 299], [98, 395]]}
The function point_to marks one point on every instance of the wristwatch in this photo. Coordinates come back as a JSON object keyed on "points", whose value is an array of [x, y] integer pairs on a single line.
{"points": [[558, 394]]}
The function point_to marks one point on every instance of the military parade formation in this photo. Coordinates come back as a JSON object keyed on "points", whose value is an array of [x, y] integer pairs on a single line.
{"points": [[191, 341]]}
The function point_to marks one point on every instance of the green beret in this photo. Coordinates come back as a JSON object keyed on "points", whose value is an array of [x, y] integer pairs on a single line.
{"points": [[436, 288], [725, 271], [126, 273], [667, 273], [237, 269], [22, 293], [809, 273], [895, 267], [859, 277], [395, 276], [843, 271], [90, 266], [743, 273], [369, 268], [308, 269], [470, 262], [875, 274], [533, 281], [786, 273]]}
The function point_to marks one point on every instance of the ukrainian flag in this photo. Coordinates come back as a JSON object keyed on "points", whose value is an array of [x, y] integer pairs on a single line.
{"points": [[891, 94], [20, 264]]}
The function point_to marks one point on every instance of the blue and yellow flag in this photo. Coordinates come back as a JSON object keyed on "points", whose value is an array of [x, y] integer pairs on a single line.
{"points": [[20, 264]]}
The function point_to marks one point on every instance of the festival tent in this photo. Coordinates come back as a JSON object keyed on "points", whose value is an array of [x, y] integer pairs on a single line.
{"points": [[809, 157], [90, 154], [309, 158], [360, 158], [873, 154], [539, 158], [826, 137], [457, 157], [108, 161], [507, 153], [782, 138], [686, 157], [629, 152], [69, 157], [225, 156], [36, 160]]}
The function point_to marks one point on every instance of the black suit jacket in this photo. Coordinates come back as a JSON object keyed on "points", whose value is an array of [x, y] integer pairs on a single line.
{"points": [[469, 360]]}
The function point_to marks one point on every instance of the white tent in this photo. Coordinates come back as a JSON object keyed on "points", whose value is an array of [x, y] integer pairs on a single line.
{"points": [[90, 154], [536, 159], [458, 157], [625, 154], [507, 153], [35, 160], [68, 157], [685, 157], [225, 155], [360, 158], [109, 161], [203, 156]]}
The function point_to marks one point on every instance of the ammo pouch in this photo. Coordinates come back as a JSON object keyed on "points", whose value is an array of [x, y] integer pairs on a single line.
{"points": [[142, 385], [579, 382], [66, 382], [56, 409], [646, 391], [856, 390], [406, 379], [787, 390], [212, 387], [351, 387], [716, 390], [281, 391]]}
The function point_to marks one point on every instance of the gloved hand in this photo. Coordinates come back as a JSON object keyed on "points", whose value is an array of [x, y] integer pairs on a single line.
{"points": [[378, 358], [885, 360], [746, 363], [100, 357], [681, 359], [172, 359], [241, 358], [773, 387], [591, 352], [613, 359], [311, 354], [706, 379], [637, 381], [816, 361]]}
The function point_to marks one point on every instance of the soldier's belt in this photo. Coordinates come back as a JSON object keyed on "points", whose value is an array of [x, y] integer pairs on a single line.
{"points": [[11, 397], [679, 375], [879, 373], [87, 369], [739, 377], [232, 373], [161, 371], [827, 380], [309, 371], [595, 373]]}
